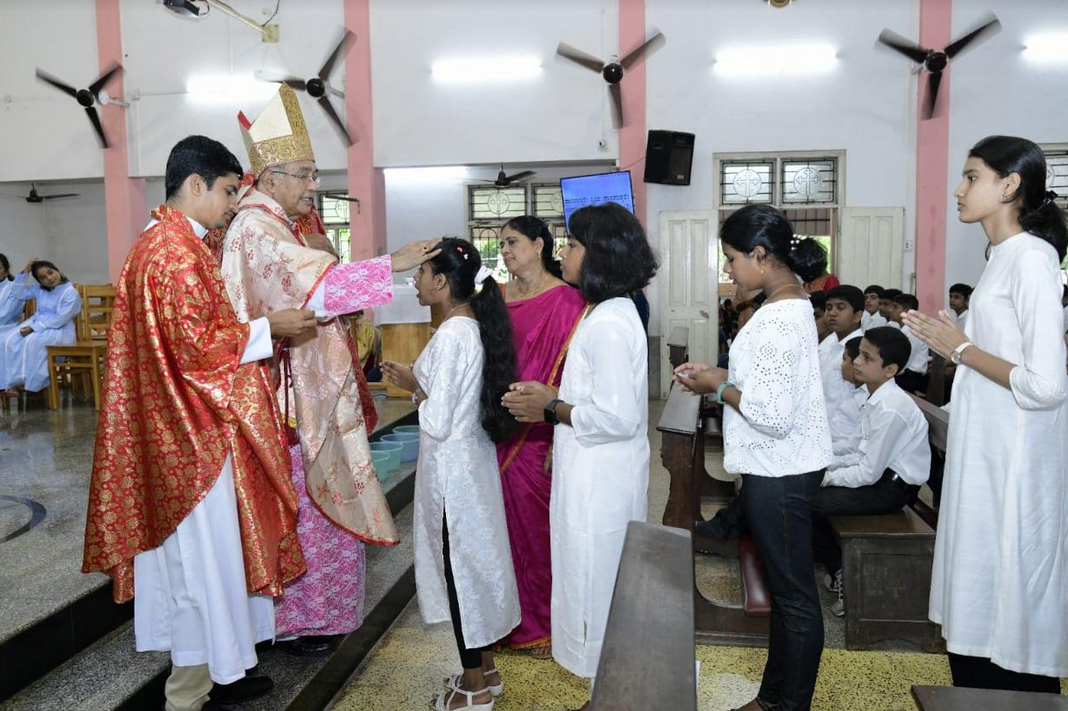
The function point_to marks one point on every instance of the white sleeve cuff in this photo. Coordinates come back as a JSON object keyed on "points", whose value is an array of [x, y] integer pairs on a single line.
{"points": [[259, 344]]}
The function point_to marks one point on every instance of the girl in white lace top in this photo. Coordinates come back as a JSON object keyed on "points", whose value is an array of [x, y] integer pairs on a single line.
{"points": [[775, 436]]}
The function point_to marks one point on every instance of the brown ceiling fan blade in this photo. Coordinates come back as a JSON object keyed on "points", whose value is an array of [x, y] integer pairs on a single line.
{"points": [[94, 118], [97, 85], [338, 123], [903, 46], [644, 50], [343, 46], [990, 26], [523, 175], [930, 100], [291, 82], [617, 105], [579, 57], [57, 83]]}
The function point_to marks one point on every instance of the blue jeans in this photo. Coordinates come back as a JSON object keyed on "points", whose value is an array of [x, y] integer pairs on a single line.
{"points": [[780, 522]]}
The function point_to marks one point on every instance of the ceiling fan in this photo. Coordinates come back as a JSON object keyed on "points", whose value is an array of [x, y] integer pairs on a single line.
{"points": [[504, 181], [34, 197], [613, 71], [318, 86], [88, 98], [934, 61]]}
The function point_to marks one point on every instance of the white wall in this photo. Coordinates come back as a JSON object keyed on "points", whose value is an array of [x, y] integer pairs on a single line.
{"points": [[559, 116], [994, 90], [22, 232]]}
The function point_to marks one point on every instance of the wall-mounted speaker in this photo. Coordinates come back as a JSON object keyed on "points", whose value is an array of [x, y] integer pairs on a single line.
{"points": [[669, 157]]}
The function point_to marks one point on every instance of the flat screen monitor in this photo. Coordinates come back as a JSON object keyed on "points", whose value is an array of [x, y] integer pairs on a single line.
{"points": [[598, 189]]}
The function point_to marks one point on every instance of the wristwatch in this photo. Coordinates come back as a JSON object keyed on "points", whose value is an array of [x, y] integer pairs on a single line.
{"points": [[719, 391], [550, 412], [958, 352]]}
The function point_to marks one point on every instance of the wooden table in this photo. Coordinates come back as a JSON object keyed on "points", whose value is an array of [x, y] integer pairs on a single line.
{"points": [[949, 698]]}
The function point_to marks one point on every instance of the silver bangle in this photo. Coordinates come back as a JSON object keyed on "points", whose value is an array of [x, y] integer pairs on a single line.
{"points": [[415, 395]]}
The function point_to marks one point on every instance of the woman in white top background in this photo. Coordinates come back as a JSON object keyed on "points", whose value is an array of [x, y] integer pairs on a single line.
{"points": [[601, 440], [775, 436], [10, 307], [463, 563], [1000, 582]]}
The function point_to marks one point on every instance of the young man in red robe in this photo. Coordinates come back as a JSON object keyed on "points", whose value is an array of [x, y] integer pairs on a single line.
{"points": [[191, 508]]}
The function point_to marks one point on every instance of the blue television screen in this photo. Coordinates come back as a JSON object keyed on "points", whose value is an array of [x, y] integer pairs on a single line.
{"points": [[584, 190]]}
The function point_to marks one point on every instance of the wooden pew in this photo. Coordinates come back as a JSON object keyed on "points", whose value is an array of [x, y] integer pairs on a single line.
{"points": [[678, 344], [682, 430], [647, 660], [948, 698], [886, 562]]}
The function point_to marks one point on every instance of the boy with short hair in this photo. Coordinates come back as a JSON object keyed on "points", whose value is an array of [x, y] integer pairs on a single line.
{"points": [[894, 458], [844, 418], [871, 318], [844, 306], [959, 294], [913, 378], [886, 305]]}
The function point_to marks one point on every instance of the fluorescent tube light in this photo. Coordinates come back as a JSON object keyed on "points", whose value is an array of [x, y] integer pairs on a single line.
{"points": [[1047, 48], [224, 89], [486, 70], [776, 60]]}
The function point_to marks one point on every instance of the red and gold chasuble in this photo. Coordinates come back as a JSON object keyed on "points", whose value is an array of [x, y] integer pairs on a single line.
{"points": [[176, 403], [266, 266]]}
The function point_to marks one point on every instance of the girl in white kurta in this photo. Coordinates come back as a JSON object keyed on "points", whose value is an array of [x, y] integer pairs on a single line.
{"points": [[463, 562], [601, 442], [24, 350], [10, 306], [999, 587]]}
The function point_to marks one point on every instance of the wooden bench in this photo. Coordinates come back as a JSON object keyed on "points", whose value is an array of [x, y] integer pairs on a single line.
{"points": [[682, 450], [678, 344], [647, 659], [948, 698], [887, 560]]}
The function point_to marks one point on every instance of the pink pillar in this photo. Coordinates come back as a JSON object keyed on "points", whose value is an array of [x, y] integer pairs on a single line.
{"points": [[932, 166], [124, 197], [365, 181], [632, 137]]}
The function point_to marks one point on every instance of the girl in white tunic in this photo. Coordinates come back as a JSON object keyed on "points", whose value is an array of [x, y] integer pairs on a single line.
{"points": [[1000, 582], [10, 307], [601, 442], [775, 435], [463, 562], [24, 350]]}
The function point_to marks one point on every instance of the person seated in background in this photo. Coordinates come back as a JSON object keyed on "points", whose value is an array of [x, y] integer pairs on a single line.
{"points": [[913, 378], [818, 299], [893, 460], [845, 304], [368, 346], [844, 417], [10, 307], [959, 294], [886, 305], [871, 317], [24, 351]]}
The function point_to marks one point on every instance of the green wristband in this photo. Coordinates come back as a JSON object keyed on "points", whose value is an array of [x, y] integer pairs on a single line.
{"points": [[719, 391]]}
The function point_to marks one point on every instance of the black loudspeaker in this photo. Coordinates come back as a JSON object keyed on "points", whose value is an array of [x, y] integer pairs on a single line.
{"points": [[669, 157]]}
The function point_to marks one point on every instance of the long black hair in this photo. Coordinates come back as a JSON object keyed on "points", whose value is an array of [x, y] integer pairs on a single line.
{"points": [[619, 260], [459, 262], [1039, 214], [43, 263], [763, 226], [532, 228], [7, 267]]}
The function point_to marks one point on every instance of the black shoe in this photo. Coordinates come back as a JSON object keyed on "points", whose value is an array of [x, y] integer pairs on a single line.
{"points": [[718, 529], [251, 687], [309, 646]]}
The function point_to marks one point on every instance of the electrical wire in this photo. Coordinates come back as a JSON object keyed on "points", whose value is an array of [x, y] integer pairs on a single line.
{"points": [[276, 4]]}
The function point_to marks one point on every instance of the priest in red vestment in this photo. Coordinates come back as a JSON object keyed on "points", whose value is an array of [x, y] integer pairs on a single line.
{"points": [[191, 508]]}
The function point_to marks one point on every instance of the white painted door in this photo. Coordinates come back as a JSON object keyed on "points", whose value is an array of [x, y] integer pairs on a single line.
{"points": [[872, 246], [688, 285]]}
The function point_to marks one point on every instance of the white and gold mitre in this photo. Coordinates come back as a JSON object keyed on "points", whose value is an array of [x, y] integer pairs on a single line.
{"points": [[278, 135]]}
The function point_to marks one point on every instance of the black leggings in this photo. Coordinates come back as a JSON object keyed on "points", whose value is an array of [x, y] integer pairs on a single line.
{"points": [[469, 658], [980, 673]]}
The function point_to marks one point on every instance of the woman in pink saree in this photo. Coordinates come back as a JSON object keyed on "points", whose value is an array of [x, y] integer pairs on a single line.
{"points": [[544, 312]]}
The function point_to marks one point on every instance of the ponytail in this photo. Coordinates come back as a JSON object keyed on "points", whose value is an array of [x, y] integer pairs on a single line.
{"points": [[498, 359], [807, 259], [1048, 222]]}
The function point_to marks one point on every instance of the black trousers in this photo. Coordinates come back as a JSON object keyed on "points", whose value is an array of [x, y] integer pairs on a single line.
{"points": [[884, 496], [980, 673], [469, 658], [910, 381], [777, 509]]}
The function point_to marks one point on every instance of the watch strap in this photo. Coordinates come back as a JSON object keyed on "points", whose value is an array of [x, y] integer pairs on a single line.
{"points": [[721, 389], [550, 411], [958, 352]]}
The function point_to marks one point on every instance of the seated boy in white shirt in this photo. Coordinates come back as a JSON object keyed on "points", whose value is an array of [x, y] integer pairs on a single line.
{"points": [[844, 418], [844, 307], [913, 377], [886, 306], [894, 459], [959, 294], [871, 318]]}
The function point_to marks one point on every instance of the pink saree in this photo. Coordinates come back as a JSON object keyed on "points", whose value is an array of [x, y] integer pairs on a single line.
{"points": [[541, 328]]}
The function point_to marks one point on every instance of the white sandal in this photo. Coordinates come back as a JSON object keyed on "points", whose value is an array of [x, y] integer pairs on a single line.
{"points": [[442, 702], [453, 682]]}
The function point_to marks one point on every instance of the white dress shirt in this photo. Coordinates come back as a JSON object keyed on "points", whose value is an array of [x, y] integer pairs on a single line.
{"points": [[874, 320], [960, 317], [920, 352], [894, 436]]}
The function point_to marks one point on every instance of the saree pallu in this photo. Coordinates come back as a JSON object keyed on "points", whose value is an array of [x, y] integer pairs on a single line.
{"points": [[541, 328]]}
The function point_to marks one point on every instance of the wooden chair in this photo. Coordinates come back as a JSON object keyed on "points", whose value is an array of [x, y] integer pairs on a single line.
{"points": [[29, 308], [84, 358]]}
